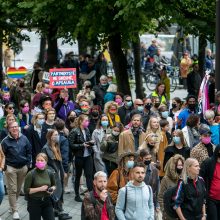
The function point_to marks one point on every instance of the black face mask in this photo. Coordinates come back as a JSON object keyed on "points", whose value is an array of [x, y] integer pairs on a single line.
{"points": [[147, 162], [150, 146], [192, 106], [148, 106], [72, 119], [179, 170], [156, 105], [174, 105], [95, 114]]}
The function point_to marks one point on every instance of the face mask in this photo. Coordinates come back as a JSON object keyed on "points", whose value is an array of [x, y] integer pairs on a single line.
{"points": [[56, 139], [156, 105], [40, 165], [104, 123], [148, 106], [176, 140], [130, 164], [104, 84], [84, 109], [85, 124], [113, 112], [191, 106], [115, 133], [47, 91], [118, 101], [40, 122], [174, 105], [165, 114], [95, 114], [129, 104], [179, 170], [140, 108], [6, 98], [109, 82], [150, 146], [206, 140], [25, 110], [72, 119], [147, 162]]}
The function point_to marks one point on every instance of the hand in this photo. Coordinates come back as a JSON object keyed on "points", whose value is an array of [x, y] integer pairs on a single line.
{"points": [[157, 209], [86, 145], [203, 218], [43, 188], [103, 195], [65, 175], [26, 126]]}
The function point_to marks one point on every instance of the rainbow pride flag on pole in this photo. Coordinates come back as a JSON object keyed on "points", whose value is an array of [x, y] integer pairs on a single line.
{"points": [[16, 73]]}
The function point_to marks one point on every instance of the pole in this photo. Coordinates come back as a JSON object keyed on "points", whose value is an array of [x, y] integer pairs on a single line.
{"points": [[217, 40]]}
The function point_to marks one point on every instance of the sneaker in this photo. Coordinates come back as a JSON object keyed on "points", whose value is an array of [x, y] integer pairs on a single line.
{"points": [[78, 198], [16, 215]]}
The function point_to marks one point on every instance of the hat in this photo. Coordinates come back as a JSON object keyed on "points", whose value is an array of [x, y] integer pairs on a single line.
{"points": [[204, 129]]}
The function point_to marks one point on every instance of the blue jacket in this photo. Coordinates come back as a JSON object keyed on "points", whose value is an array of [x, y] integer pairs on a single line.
{"points": [[139, 204], [17, 151]]}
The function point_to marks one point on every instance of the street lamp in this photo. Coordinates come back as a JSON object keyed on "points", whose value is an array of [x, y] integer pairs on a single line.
{"points": [[217, 40]]}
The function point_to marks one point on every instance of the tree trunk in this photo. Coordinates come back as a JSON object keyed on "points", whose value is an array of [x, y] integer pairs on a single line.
{"points": [[43, 42], [137, 68], [119, 64], [82, 44], [52, 48], [202, 47]]}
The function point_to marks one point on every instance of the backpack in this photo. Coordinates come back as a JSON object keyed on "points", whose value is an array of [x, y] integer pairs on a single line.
{"points": [[33, 174], [168, 201]]}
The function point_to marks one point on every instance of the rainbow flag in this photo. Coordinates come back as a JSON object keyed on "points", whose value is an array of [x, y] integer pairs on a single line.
{"points": [[16, 73]]}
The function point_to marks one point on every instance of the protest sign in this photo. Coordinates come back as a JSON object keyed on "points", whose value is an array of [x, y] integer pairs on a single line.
{"points": [[46, 77], [63, 78]]}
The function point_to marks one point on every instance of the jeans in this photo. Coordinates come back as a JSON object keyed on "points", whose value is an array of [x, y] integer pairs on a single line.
{"points": [[86, 164], [2, 189], [213, 209], [15, 178], [38, 208]]}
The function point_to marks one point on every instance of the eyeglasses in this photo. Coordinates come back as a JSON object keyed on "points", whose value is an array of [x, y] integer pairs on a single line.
{"points": [[140, 104], [10, 107]]}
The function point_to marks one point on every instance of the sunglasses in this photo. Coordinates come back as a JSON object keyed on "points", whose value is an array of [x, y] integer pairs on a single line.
{"points": [[10, 107], [140, 104]]}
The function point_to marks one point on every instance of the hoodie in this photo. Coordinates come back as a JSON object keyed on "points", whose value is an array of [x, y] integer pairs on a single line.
{"points": [[139, 202]]}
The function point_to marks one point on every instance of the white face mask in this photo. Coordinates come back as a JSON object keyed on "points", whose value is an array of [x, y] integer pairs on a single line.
{"points": [[115, 133]]}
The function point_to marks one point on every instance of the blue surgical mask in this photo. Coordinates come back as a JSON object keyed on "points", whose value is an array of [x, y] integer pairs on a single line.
{"points": [[129, 104], [130, 164], [40, 122], [140, 108], [176, 140], [104, 123], [56, 139], [165, 114], [104, 84]]}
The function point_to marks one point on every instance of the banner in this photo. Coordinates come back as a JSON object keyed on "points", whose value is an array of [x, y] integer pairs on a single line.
{"points": [[63, 78], [16, 73]]}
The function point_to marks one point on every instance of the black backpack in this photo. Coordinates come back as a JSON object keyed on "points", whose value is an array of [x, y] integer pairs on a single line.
{"points": [[168, 201]]}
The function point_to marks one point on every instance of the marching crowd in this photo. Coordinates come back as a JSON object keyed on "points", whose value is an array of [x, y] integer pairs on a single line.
{"points": [[150, 158]]}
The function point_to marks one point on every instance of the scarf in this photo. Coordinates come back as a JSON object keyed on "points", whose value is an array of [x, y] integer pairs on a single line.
{"points": [[117, 119]]}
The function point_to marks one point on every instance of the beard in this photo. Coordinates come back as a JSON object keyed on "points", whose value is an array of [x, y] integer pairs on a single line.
{"points": [[100, 189]]}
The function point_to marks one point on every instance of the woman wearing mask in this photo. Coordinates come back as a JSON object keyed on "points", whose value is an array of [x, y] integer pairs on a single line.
{"points": [[52, 150], [102, 130], [24, 115], [119, 99], [48, 124], [71, 117], [178, 147], [39, 184], [173, 170], [120, 176], [95, 113], [109, 146], [81, 145], [34, 135], [214, 127], [111, 110], [164, 114], [84, 107], [175, 109], [191, 193]]}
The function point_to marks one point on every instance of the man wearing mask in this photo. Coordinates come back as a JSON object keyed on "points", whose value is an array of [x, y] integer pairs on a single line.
{"points": [[131, 139], [100, 91], [186, 112], [17, 150], [97, 204], [204, 149], [137, 196], [210, 171], [125, 109]]}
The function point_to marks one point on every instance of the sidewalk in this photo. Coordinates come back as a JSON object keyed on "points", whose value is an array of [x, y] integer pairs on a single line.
{"points": [[70, 206]]}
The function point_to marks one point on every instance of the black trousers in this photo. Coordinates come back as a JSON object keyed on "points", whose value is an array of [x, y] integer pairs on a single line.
{"points": [[38, 208], [213, 209], [110, 166], [86, 164]]}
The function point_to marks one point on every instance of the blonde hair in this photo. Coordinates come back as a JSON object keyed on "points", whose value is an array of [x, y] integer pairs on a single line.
{"points": [[188, 163], [35, 117], [39, 87], [108, 105], [42, 155]]}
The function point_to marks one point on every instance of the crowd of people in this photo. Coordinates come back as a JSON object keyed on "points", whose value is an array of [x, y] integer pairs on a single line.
{"points": [[130, 151]]}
